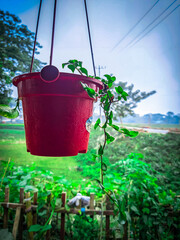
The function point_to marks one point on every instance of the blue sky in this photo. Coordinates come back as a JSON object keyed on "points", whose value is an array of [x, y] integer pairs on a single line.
{"points": [[151, 64]]}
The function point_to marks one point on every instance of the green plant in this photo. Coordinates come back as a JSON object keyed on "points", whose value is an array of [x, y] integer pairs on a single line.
{"points": [[107, 100], [6, 111], [142, 201], [82, 227], [138, 199]]}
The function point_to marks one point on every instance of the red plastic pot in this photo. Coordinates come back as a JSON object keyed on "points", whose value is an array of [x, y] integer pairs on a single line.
{"points": [[56, 113]]}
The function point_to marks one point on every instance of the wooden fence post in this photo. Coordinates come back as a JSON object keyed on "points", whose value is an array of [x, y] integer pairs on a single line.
{"points": [[108, 207], [91, 205], [16, 222], [35, 211], [125, 235], [62, 232], [5, 221], [21, 200], [48, 212], [29, 214]]}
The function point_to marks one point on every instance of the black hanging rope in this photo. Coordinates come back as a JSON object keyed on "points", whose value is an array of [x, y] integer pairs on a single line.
{"points": [[52, 39], [90, 42], [37, 25]]}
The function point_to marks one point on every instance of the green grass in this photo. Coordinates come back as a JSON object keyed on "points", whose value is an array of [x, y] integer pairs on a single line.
{"points": [[12, 125], [161, 151], [13, 146]]}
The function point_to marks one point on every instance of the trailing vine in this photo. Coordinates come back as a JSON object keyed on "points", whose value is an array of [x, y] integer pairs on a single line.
{"points": [[107, 99], [6, 111]]}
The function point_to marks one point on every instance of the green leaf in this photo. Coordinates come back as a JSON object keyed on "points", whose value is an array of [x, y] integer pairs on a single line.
{"points": [[109, 138], [94, 156], [100, 150], [64, 64], [115, 127], [104, 125], [129, 133], [146, 210], [106, 106], [133, 133], [134, 209], [103, 98], [104, 81], [46, 227], [110, 118], [84, 85], [110, 95], [91, 92], [104, 167], [119, 90], [72, 67], [124, 95], [8, 112], [35, 228], [110, 79], [74, 62], [128, 217], [108, 76], [97, 123], [97, 77], [80, 63], [84, 70], [113, 78], [110, 84]]}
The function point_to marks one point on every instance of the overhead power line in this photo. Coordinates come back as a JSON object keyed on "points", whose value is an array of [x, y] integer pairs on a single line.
{"points": [[156, 25], [133, 27], [150, 24]]}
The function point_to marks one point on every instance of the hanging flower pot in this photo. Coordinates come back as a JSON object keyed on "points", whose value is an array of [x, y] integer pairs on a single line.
{"points": [[57, 112], [57, 109]]}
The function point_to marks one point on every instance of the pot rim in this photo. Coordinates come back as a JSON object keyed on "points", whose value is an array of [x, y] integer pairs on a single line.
{"points": [[35, 75]]}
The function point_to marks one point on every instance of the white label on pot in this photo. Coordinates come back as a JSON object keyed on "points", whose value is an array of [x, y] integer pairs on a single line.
{"points": [[88, 124]]}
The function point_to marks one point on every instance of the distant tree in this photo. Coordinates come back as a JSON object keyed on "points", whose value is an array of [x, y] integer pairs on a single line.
{"points": [[125, 108], [170, 117], [170, 114], [16, 45]]}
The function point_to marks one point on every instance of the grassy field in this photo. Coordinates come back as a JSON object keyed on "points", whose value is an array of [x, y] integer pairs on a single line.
{"points": [[13, 146], [161, 151]]}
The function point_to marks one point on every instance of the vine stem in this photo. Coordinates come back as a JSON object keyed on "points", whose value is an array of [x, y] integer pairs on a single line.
{"points": [[104, 145], [79, 71]]}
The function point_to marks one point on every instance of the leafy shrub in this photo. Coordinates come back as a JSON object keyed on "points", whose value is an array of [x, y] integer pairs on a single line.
{"points": [[82, 227], [141, 201]]}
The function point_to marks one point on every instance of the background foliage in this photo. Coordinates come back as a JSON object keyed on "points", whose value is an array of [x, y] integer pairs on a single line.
{"points": [[16, 45]]}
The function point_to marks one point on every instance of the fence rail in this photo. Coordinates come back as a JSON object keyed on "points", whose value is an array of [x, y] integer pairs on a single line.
{"points": [[29, 207]]}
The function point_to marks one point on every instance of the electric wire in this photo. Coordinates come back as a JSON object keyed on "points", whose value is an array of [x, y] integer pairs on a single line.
{"points": [[155, 25], [35, 39], [134, 26], [53, 28], [90, 42], [150, 24]]}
